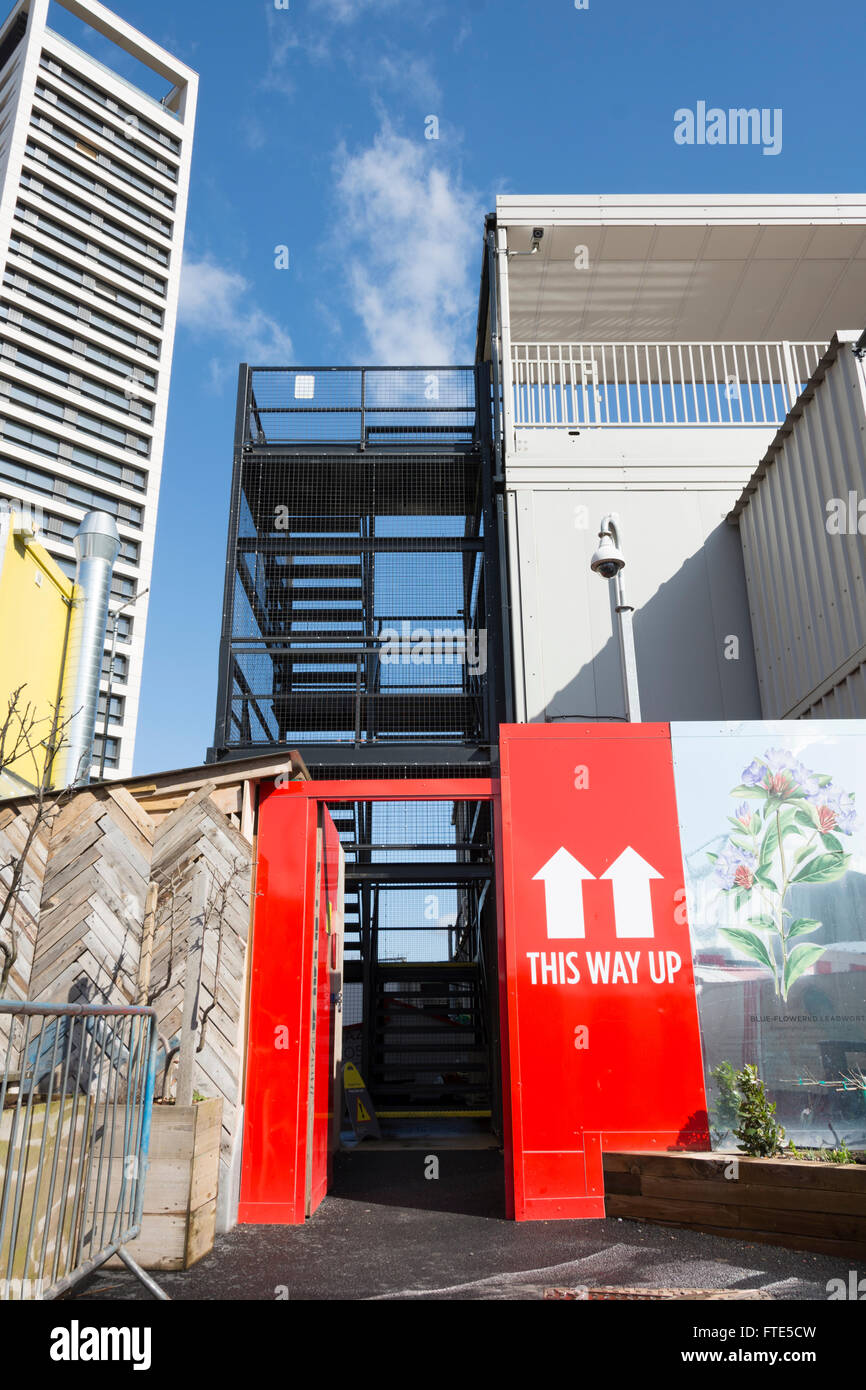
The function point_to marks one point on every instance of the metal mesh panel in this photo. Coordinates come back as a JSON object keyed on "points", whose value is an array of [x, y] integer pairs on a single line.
{"points": [[355, 613], [417, 878], [369, 405], [372, 770]]}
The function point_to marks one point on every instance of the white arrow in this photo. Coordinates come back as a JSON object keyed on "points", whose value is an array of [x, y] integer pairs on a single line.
{"points": [[632, 903], [562, 876]]}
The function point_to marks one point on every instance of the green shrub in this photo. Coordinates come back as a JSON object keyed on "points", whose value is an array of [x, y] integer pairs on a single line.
{"points": [[759, 1133]]}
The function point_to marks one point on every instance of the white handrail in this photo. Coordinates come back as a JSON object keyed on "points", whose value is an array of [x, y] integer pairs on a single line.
{"points": [[570, 385]]}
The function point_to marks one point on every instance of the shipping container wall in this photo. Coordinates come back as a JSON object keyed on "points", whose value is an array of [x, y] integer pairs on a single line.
{"points": [[802, 523], [684, 577]]}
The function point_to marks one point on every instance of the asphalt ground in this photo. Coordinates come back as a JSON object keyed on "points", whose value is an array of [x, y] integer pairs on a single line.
{"points": [[389, 1232]]}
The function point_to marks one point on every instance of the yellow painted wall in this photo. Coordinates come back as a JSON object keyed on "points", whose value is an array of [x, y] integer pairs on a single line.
{"points": [[34, 611]]}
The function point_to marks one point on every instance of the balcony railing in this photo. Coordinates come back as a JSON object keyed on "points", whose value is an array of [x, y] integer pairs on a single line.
{"points": [[366, 407], [596, 384]]}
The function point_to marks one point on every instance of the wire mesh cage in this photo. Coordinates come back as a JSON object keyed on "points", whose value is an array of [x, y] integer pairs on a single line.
{"points": [[357, 598]]}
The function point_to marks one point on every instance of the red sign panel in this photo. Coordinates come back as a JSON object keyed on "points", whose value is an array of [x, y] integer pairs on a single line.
{"points": [[603, 1044]]}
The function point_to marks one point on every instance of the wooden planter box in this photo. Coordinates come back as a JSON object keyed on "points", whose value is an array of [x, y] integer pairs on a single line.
{"points": [[179, 1221], [806, 1206]]}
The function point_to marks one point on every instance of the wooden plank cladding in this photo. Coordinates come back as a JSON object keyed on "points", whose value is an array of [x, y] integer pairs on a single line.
{"points": [[142, 894], [819, 1207], [93, 895]]}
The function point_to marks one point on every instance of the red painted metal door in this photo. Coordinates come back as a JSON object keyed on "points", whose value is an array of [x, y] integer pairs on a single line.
{"points": [[292, 1092], [603, 1043], [288, 1096], [327, 1018]]}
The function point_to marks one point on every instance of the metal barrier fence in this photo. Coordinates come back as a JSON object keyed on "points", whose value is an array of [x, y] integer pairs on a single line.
{"points": [[596, 384], [74, 1132]]}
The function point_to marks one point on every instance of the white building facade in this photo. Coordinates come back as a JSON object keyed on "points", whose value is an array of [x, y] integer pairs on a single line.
{"points": [[95, 177], [649, 349]]}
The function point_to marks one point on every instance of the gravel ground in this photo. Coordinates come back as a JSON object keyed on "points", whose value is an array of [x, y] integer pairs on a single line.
{"points": [[387, 1232]]}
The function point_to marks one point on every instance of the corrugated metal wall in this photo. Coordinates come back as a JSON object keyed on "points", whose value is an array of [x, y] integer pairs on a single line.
{"points": [[805, 558]]}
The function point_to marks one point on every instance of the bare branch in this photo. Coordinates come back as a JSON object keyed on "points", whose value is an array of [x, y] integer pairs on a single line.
{"points": [[21, 737]]}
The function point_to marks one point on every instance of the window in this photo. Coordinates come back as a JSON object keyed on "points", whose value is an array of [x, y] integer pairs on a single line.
{"points": [[86, 386], [68, 491], [120, 171], [118, 706], [67, 271], [47, 159], [114, 229], [112, 751], [96, 95], [121, 666], [121, 587], [44, 294], [60, 102], [87, 423], [41, 328], [17, 433]]}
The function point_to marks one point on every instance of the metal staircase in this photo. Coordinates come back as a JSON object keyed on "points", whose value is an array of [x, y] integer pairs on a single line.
{"points": [[429, 1048]]}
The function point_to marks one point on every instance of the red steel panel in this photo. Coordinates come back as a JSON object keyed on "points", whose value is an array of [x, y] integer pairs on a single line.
{"points": [[273, 1174], [398, 789], [604, 1049], [322, 1051]]}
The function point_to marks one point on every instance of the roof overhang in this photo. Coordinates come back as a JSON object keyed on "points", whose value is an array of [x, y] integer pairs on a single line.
{"points": [[231, 772], [726, 268]]}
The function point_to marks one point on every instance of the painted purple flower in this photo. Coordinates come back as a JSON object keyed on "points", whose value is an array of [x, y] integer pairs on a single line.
{"points": [[788, 776], [835, 810], [736, 867], [754, 774], [743, 814], [782, 775]]}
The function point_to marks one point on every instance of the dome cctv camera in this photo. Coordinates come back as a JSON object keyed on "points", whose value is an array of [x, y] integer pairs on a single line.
{"points": [[608, 568], [608, 560]]}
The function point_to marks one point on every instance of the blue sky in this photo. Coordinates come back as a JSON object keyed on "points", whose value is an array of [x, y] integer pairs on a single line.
{"points": [[311, 134]]}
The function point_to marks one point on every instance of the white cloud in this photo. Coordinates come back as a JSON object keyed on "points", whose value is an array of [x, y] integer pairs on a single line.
{"points": [[282, 39], [413, 236], [215, 304], [409, 76], [345, 11]]}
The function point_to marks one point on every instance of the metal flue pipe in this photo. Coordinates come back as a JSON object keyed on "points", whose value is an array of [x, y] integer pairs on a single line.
{"points": [[96, 548]]}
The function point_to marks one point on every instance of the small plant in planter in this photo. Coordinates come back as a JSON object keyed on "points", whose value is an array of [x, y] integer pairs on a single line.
{"points": [[841, 1154], [759, 1132]]}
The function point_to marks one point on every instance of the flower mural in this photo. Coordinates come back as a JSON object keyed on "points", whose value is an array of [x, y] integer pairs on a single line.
{"points": [[785, 831]]}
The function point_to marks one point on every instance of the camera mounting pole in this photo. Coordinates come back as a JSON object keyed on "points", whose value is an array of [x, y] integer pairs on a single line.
{"points": [[610, 527]]}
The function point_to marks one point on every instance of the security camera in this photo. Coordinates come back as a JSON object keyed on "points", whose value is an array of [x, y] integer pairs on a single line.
{"points": [[608, 560], [537, 234]]}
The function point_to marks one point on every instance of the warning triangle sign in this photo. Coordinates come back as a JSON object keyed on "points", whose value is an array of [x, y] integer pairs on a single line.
{"points": [[358, 1103]]}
